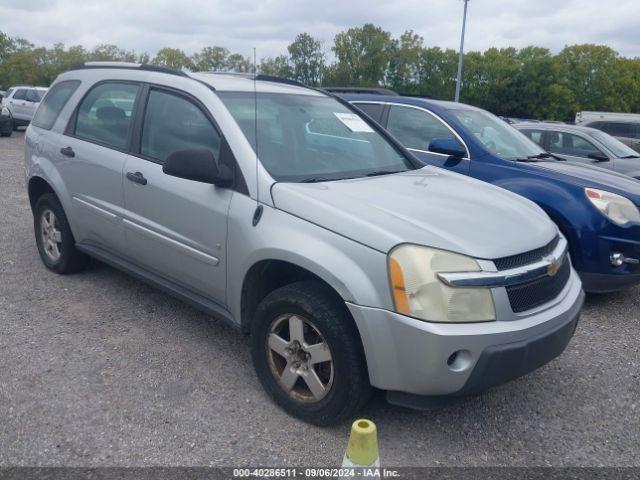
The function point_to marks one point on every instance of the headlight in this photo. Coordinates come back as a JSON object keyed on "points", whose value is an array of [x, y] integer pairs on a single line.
{"points": [[418, 292], [5, 111], [615, 207]]}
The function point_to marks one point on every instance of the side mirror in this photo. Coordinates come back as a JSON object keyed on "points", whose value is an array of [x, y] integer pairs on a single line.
{"points": [[198, 165], [447, 146], [598, 157]]}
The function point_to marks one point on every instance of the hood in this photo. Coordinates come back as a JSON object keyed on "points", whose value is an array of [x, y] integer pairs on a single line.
{"points": [[591, 176], [429, 207]]}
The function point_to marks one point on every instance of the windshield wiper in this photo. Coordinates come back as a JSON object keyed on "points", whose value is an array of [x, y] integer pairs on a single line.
{"points": [[317, 179], [525, 159], [384, 172], [548, 155], [631, 156]]}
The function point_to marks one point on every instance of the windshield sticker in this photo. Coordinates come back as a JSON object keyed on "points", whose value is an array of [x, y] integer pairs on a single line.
{"points": [[353, 122]]}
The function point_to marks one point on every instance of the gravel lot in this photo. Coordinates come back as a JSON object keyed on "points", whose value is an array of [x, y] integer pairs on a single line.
{"points": [[100, 369]]}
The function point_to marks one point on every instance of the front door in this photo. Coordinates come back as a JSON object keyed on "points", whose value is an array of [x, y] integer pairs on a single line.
{"points": [[415, 128], [577, 149], [174, 227], [19, 104]]}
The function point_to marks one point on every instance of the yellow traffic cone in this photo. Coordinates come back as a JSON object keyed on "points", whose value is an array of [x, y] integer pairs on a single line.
{"points": [[362, 449]]}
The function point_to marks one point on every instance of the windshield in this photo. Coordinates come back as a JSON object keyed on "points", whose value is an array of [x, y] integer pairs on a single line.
{"points": [[618, 148], [497, 136], [311, 138]]}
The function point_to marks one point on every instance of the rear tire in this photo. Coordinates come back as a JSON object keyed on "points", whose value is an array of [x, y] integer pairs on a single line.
{"points": [[54, 239], [308, 355]]}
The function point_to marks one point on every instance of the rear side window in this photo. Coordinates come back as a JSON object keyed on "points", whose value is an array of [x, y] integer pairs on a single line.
{"points": [[34, 95], [53, 103], [172, 123], [626, 130], [535, 135], [416, 128], [105, 114], [21, 94], [374, 110]]}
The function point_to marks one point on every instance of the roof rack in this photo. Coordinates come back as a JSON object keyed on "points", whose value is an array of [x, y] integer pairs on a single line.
{"points": [[130, 66], [272, 78], [372, 91], [261, 77]]}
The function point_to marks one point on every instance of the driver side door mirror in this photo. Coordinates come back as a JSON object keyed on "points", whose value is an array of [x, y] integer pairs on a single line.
{"points": [[598, 157], [198, 165]]}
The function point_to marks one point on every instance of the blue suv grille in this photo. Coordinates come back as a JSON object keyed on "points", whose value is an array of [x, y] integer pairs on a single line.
{"points": [[526, 296]]}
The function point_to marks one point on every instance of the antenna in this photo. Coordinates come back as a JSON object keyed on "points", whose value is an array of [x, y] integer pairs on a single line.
{"points": [[258, 213]]}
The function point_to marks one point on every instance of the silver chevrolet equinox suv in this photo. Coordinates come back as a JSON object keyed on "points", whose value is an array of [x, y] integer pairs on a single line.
{"points": [[281, 210]]}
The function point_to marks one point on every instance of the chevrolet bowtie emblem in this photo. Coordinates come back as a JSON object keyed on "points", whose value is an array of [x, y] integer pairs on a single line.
{"points": [[553, 267]]}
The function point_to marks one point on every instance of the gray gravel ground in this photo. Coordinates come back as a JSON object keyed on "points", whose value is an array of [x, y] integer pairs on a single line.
{"points": [[100, 369]]}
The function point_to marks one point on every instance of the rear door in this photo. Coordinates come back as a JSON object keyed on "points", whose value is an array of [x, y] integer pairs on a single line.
{"points": [[415, 128], [174, 227], [91, 158]]}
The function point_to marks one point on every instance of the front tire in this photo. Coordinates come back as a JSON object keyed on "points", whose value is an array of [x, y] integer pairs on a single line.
{"points": [[307, 354], [54, 239]]}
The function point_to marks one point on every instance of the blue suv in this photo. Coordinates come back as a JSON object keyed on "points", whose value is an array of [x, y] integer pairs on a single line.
{"points": [[595, 209]]}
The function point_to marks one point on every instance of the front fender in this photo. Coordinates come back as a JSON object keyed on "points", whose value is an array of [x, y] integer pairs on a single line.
{"points": [[357, 272]]}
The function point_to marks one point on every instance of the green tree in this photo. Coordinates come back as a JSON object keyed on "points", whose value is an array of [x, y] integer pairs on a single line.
{"points": [[210, 59], [363, 56], [238, 63], [404, 63], [593, 73], [278, 66], [172, 58], [111, 53], [307, 59]]}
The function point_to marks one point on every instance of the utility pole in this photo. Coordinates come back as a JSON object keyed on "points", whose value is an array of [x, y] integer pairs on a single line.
{"points": [[460, 58]]}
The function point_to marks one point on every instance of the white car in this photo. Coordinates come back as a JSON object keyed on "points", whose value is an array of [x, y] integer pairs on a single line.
{"points": [[22, 103]]}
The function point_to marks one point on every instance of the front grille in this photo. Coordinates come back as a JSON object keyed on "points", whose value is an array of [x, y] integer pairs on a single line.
{"points": [[521, 259], [526, 296]]}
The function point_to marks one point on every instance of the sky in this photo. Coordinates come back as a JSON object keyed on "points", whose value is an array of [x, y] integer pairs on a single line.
{"points": [[270, 25]]}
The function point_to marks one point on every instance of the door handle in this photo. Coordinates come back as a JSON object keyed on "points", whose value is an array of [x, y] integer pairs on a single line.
{"points": [[67, 152], [137, 177]]}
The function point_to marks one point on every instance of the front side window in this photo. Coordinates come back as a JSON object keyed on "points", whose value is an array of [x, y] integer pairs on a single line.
{"points": [[311, 137], [53, 103], [618, 148], [416, 128], [498, 137], [21, 94], [173, 123], [570, 144], [105, 114]]}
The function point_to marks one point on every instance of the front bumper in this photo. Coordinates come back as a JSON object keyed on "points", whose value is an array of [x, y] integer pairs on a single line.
{"points": [[415, 357], [593, 262]]}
